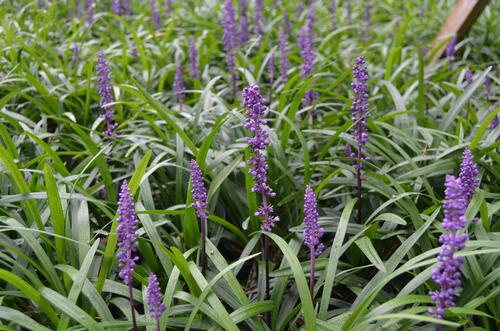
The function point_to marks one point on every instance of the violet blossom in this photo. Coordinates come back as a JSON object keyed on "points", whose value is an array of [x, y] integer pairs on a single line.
{"points": [[194, 65], [155, 15], [153, 293], [468, 175], [243, 21], [312, 232], [199, 194], [106, 94]]}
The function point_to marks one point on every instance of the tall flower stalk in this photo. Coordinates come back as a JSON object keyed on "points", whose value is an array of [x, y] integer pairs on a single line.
{"points": [[194, 62], [255, 112], [360, 115], [230, 41], [179, 85], [155, 306], [199, 194], [283, 56], [127, 244], [306, 40], [447, 273], [468, 175], [89, 6], [312, 232], [106, 94], [243, 21]]}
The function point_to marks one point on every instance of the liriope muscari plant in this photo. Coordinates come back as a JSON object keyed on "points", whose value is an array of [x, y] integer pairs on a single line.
{"points": [[306, 41], [199, 194], [360, 114], [179, 85], [155, 15], [106, 94], [255, 112], [155, 306], [468, 175], [194, 62], [312, 232], [127, 243], [286, 22], [283, 56], [243, 21], [230, 41]]}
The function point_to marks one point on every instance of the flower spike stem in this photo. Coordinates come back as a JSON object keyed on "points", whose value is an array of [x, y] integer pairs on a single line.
{"points": [[131, 300], [311, 275], [203, 226], [265, 245]]}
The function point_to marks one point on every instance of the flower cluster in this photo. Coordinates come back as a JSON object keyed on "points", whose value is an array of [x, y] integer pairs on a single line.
{"points": [[257, 16], [156, 307], [359, 108], [194, 65], [447, 273], [468, 175], [255, 110], [155, 15], [306, 38], [105, 93], [199, 192], [230, 33], [127, 219], [243, 21], [313, 231]]}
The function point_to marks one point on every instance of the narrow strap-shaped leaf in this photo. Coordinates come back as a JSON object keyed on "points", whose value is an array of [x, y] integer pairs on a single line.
{"points": [[17, 317], [56, 213]]}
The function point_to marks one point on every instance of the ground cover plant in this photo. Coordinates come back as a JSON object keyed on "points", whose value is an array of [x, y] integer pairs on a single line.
{"points": [[247, 165]]}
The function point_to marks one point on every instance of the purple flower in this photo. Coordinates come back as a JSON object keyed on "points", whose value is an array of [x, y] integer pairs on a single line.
{"points": [[468, 175], [257, 16], [283, 56], [468, 77], [127, 218], [116, 7], [306, 37], [155, 15], [450, 51], [333, 9], [310, 21], [106, 94], [156, 307], [229, 39], [447, 273], [272, 68], [194, 66], [487, 87], [199, 192], [179, 84], [89, 6], [255, 111], [312, 232], [288, 25], [359, 107], [494, 122], [79, 9], [243, 21], [366, 18]]}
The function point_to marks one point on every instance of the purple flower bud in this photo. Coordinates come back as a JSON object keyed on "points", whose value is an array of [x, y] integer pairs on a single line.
{"points": [[258, 19], [359, 107], [106, 94], [199, 192], [155, 15], [194, 66], [156, 307], [312, 232], [468, 77], [243, 22], [468, 175], [450, 52], [179, 84], [255, 111], [283, 56], [127, 244], [447, 273]]}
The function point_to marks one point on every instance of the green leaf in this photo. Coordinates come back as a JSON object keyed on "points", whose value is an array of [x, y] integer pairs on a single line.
{"points": [[370, 252], [56, 213]]}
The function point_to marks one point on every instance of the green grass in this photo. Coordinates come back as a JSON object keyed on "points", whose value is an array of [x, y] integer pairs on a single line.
{"points": [[58, 266]]}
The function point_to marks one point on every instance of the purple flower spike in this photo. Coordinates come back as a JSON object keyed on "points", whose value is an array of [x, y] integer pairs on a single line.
{"points": [[116, 7], [312, 232], [447, 273], [359, 108], [306, 38], [258, 18], [288, 25], [127, 218], [243, 22], [487, 87], [283, 56], [468, 77], [194, 65], [156, 307], [272, 68], [450, 52], [230, 41], [468, 175], [106, 94], [255, 111], [199, 192], [179, 84], [155, 15], [89, 6]]}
